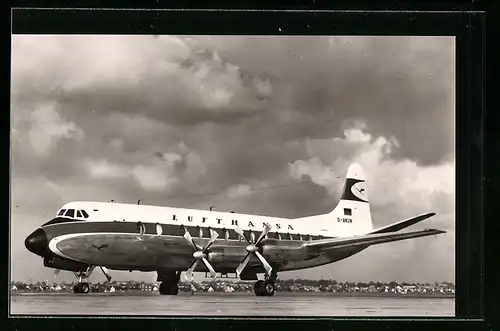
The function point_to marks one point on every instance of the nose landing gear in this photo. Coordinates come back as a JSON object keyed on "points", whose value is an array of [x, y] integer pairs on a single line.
{"points": [[81, 288]]}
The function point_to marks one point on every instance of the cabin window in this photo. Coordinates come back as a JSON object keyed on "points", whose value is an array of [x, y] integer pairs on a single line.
{"points": [[70, 213], [84, 213], [207, 234], [159, 229], [141, 228], [347, 212], [78, 214], [61, 212]]}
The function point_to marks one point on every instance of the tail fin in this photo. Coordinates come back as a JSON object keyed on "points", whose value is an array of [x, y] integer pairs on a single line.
{"points": [[352, 213]]}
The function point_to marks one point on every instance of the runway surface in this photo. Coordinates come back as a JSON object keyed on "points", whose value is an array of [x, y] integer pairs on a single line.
{"points": [[227, 304]]}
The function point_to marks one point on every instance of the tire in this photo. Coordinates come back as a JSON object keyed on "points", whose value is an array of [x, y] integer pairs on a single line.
{"points": [[173, 289], [258, 288], [85, 288], [163, 288], [77, 288], [168, 288], [268, 288]]}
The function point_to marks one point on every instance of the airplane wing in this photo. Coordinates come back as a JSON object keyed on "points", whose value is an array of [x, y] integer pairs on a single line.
{"points": [[403, 224], [369, 239]]}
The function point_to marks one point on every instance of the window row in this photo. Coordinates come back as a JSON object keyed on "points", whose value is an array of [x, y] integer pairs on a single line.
{"points": [[228, 234]]}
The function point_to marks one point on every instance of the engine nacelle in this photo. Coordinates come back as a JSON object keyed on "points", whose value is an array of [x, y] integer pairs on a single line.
{"points": [[56, 262]]}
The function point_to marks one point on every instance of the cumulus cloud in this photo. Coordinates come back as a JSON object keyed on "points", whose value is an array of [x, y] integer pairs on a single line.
{"points": [[239, 191], [402, 186], [48, 127]]}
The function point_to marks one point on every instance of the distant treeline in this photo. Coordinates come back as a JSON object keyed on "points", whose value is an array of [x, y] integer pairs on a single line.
{"points": [[281, 282]]}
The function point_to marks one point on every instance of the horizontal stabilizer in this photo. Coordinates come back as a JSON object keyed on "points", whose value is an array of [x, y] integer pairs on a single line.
{"points": [[369, 239], [403, 224]]}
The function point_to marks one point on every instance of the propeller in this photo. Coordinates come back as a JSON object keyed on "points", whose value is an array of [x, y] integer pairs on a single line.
{"points": [[200, 254], [253, 248]]}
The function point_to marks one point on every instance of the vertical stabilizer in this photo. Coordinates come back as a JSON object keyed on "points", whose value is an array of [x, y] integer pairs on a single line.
{"points": [[352, 213]]}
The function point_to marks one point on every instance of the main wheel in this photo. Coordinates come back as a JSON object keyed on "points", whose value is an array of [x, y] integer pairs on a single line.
{"points": [[77, 288], [258, 288], [268, 288], [168, 288]]}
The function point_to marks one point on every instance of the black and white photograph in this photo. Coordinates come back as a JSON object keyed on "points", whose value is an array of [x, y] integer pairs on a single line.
{"points": [[232, 175]]}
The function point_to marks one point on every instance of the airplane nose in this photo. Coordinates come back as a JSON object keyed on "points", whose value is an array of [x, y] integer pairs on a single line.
{"points": [[37, 242]]}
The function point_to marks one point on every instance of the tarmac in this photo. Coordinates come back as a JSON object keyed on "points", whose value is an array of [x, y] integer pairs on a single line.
{"points": [[226, 304]]}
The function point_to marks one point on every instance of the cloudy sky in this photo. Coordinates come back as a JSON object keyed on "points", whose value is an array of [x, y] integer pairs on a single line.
{"points": [[168, 119]]}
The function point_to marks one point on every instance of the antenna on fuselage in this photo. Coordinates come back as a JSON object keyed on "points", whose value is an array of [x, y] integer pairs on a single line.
{"points": [[112, 200], [139, 201], [212, 207]]}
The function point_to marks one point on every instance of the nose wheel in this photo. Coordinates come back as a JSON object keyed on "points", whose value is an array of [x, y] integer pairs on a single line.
{"points": [[264, 288], [81, 288]]}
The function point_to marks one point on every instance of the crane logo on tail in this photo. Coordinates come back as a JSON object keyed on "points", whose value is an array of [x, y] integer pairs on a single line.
{"points": [[355, 190]]}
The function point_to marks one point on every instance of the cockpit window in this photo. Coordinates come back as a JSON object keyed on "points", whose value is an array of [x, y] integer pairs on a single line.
{"points": [[78, 214], [70, 213], [61, 212], [85, 214]]}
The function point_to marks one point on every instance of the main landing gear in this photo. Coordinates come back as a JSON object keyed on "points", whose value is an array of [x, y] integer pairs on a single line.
{"points": [[266, 288], [169, 284]]}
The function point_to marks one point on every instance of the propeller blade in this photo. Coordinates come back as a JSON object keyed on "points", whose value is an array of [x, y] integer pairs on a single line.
{"points": [[56, 272], [264, 263], [240, 232], [214, 237], [188, 237], [263, 234], [242, 265], [209, 267], [189, 272], [106, 274]]}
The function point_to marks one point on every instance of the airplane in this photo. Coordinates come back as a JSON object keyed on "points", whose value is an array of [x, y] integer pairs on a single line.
{"points": [[118, 236]]}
